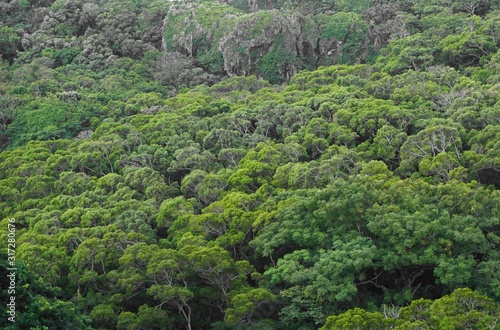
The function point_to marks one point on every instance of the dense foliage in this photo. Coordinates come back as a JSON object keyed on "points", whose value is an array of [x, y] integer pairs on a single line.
{"points": [[157, 181]]}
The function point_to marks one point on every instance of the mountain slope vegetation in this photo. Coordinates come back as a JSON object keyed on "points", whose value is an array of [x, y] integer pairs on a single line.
{"points": [[251, 165]]}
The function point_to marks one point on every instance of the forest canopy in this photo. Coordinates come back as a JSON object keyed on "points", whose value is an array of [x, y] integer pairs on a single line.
{"points": [[251, 164]]}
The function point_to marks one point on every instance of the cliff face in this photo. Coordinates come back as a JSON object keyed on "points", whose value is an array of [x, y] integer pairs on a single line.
{"points": [[189, 28], [269, 44], [259, 34]]}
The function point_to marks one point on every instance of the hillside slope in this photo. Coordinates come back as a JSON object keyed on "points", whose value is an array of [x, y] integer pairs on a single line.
{"points": [[156, 181]]}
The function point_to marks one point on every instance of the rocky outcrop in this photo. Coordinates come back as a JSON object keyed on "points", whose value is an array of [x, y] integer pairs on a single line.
{"points": [[281, 41], [257, 35], [188, 28]]}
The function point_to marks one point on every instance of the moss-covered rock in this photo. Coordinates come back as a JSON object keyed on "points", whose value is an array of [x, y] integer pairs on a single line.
{"points": [[271, 44]]}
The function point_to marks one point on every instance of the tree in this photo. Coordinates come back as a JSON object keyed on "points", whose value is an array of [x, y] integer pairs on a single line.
{"points": [[358, 319], [243, 306], [215, 266], [464, 308], [442, 165], [146, 317], [9, 42], [158, 272], [441, 136], [177, 70]]}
